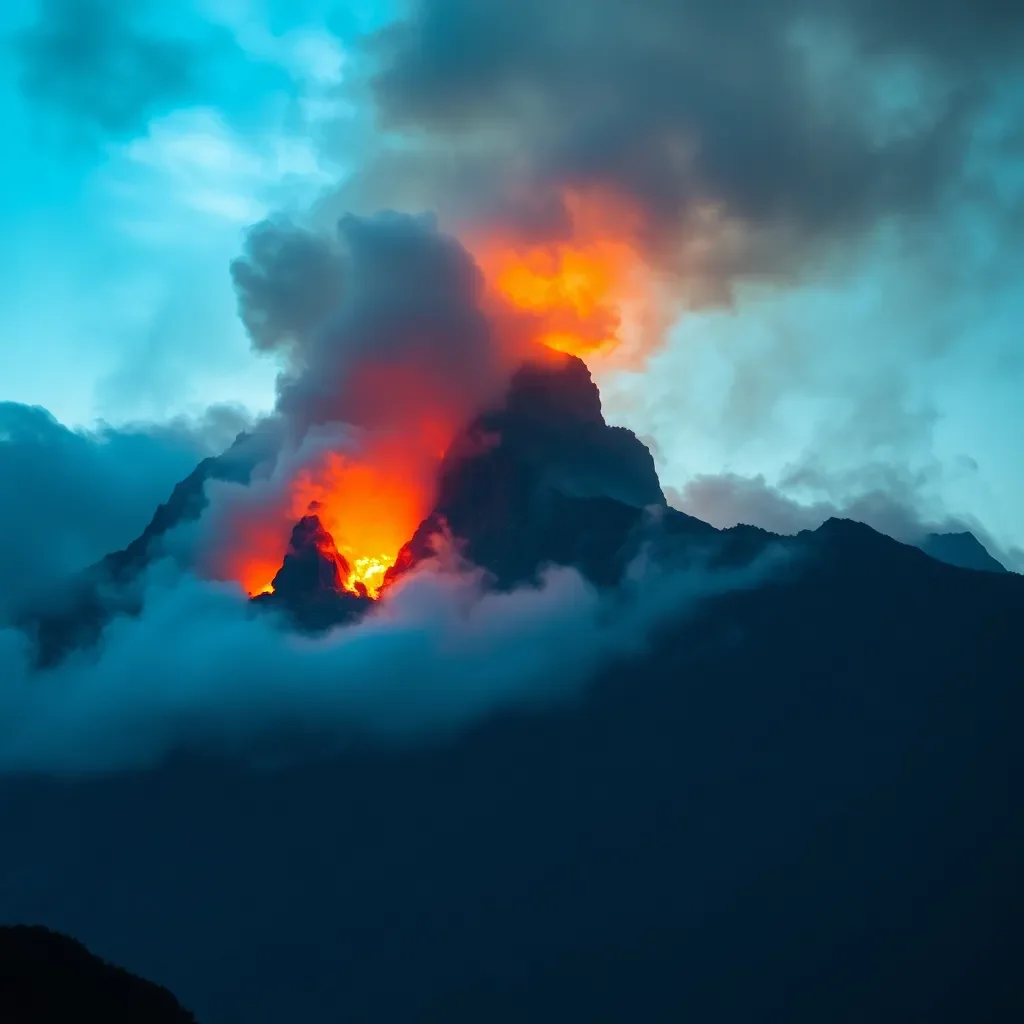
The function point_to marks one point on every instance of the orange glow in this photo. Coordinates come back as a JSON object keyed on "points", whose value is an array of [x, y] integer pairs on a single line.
{"points": [[370, 504], [370, 500], [582, 293], [589, 293], [252, 553]]}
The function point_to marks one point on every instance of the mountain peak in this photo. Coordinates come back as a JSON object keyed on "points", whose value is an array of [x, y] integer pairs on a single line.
{"points": [[558, 389], [312, 562], [542, 480], [310, 586], [963, 550]]}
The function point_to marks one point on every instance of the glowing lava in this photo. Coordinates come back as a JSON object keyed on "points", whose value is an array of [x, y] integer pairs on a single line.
{"points": [[372, 504], [369, 500]]}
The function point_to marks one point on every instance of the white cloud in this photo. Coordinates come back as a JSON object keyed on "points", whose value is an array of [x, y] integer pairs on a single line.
{"points": [[192, 162]]}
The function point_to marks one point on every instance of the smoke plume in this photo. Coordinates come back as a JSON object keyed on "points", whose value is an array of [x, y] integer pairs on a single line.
{"points": [[387, 354], [743, 136]]}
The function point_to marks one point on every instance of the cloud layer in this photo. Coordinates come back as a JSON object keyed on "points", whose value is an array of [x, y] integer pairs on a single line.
{"points": [[71, 497], [108, 68], [199, 668], [887, 501]]}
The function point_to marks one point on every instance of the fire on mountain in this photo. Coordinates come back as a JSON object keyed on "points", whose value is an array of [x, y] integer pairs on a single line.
{"points": [[579, 292]]}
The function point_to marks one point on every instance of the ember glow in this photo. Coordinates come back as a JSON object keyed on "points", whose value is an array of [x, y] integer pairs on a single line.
{"points": [[371, 504], [370, 499], [580, 293]]}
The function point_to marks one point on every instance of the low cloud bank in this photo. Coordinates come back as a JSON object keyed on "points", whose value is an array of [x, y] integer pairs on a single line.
{"points": [[72, 496], [199, 669]]}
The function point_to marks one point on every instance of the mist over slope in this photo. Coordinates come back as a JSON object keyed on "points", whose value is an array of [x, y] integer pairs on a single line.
{"points": [[550, 554], [529, 575]]}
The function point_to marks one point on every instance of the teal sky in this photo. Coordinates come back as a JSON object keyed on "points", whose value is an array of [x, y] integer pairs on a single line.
{"points": [[123, 205]]}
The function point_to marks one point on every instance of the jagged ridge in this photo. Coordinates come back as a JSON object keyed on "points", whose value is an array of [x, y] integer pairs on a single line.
{"points": [[542, 480]]}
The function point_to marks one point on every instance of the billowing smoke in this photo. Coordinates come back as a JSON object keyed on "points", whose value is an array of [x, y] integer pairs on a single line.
{"points": [[387, 353], [288, 281], [381, 329], [744, 135], [616, 166]]}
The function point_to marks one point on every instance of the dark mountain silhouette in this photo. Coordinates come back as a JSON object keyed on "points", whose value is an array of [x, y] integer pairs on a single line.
{"points": [[800, 803], [544, 480], [541, 480], [76, 617], [309, 587], [48, 978], [960, 549]]}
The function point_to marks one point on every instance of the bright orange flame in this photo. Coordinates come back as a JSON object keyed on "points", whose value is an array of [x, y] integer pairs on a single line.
{"points": [[580, 294], [370, 501], [370, 504]]}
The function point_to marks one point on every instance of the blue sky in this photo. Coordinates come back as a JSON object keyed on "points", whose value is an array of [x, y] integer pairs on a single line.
{"points": [[125, 195]]}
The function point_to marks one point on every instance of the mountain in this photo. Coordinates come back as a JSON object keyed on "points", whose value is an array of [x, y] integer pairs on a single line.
{"points": [[48, 978], [800, 802], [960, 549], [309, 586], [77, 616], [544, 480]]}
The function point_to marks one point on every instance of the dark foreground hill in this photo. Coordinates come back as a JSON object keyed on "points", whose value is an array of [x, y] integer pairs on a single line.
{"points": [[800, 804], [48, 978]]}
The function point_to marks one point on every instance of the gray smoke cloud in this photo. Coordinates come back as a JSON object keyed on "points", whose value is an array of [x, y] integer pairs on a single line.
{"points": [[288, 280], [380, 326], [748, 133], [386, 354]]}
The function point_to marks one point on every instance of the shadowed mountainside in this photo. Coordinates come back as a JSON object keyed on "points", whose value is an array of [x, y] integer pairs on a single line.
{"points": [[800, 805], [960, 549]]}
